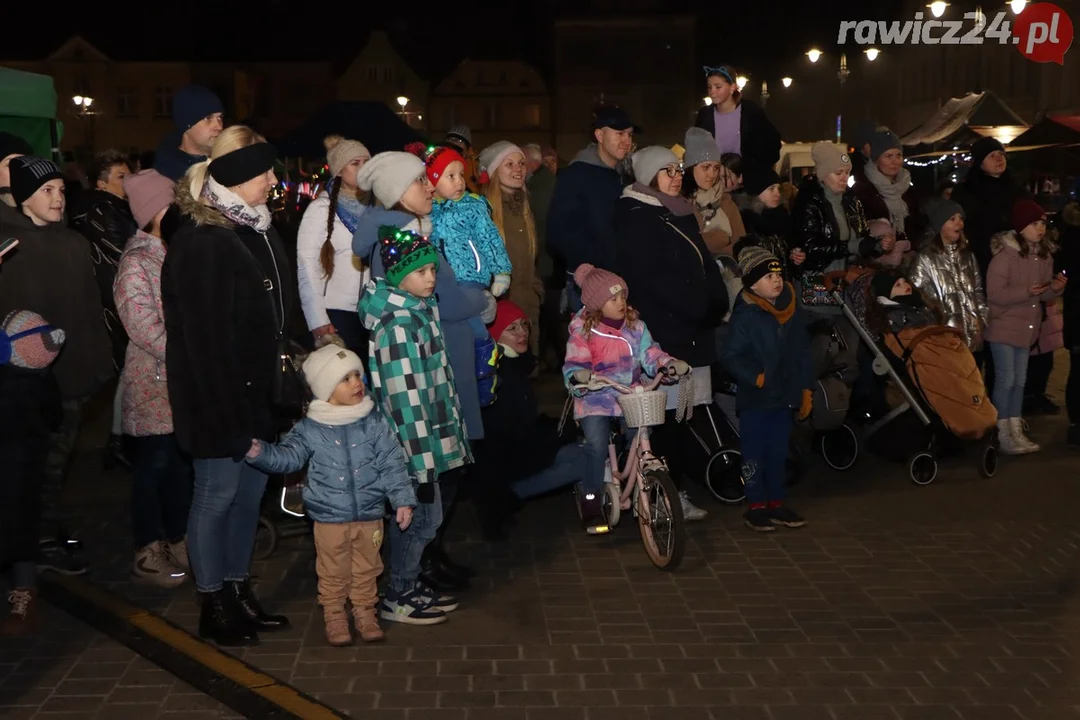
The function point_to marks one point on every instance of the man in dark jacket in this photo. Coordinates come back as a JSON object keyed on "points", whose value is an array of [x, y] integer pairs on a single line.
{"points": [[579, 223], [198, 117]]}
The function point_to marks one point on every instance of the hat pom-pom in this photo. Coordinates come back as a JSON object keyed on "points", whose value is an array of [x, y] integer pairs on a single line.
{"points": [[418, 149], [330, 141], [582, 272], [484, 178]]}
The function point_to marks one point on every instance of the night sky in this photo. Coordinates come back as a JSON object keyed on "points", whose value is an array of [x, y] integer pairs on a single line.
{"points": [[778, 35]]}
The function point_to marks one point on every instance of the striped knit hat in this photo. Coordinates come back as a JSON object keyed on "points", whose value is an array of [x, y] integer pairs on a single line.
{"points": [[27, 341]]}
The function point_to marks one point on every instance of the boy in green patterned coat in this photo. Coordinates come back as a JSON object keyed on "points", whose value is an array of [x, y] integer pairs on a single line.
{"points": [[414, 387]]}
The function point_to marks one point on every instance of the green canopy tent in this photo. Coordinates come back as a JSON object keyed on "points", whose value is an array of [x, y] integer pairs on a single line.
{"points": [[28, 109]]}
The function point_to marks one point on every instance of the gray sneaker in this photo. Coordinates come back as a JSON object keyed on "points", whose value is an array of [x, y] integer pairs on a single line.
{"points": [[59, 557], [410, 608], [690, 511]]}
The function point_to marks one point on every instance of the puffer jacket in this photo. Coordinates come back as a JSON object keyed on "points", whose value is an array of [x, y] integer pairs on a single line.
{"points": [[815, 229], [1015, 316], [620, 355], [353, 468], [948, 275], [144, 392]]}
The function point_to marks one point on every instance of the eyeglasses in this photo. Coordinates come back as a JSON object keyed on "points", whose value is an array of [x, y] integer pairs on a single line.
{"points": [[674, 171]]}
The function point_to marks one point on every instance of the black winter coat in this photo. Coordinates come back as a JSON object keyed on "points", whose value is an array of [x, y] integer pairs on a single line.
{"points": [[673, 281], [817, 232], [987, 202], [224, 290], [759, 141]]}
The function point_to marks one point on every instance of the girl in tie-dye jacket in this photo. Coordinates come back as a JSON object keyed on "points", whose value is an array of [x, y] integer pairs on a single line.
{"points": [[609, 340]]}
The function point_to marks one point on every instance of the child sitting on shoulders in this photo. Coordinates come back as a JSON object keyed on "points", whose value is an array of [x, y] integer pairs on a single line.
{"points": [[609, 340], [767, 351], [356, 465]]}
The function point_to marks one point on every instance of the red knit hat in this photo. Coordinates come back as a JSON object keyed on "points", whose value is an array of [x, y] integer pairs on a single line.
{"points": [[506, 314], [1025, 212], [435, 158], [598, 286]]}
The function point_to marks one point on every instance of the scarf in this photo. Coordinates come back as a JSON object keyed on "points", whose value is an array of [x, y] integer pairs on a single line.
{"points": [[323, 412], [713, 216], [349, 210], [892, 193], [613, 324], [233, 207], [515, 202], [836, 201], [677, 205]]}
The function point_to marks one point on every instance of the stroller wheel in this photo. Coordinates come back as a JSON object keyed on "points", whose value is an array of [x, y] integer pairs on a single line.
{"points": [[840, 447], [266, 539], [988, 458], [923, 468], [723, 477]]}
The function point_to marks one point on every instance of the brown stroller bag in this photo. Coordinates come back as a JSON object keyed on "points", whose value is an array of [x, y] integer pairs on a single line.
{"points": [[943, 369]]}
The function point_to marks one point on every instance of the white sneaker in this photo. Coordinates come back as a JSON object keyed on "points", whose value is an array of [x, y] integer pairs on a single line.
{"points": [[1006, 440], [690, 511], [1021, 439], [177, 552], [153, 566]]}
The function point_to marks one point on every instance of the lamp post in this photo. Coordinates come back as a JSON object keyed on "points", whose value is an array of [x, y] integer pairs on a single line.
{"points": [[403, 101], [83, 103]]}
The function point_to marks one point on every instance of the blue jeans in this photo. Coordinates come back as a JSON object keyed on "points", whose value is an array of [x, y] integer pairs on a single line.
{"points": [[224, 517], [764, 435], [597, 430], [569, 467], [160, 490], [407, 546], [1010, 375]]}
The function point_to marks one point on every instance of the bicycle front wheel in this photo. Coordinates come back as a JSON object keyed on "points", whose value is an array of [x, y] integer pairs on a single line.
{"points": [[660, 520]]}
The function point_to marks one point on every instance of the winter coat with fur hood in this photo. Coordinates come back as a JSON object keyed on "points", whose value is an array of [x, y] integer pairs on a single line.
{"points": [[1015, 316], [224, 295]]}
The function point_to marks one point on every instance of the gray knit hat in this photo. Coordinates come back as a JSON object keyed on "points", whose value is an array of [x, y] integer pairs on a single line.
{"points": [[462, 132], [700, 147], [883, 140], [939, 210], [389, 174], [648, 161]]}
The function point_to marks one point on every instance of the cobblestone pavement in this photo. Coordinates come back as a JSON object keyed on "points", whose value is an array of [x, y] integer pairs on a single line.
{"points": [[956, 600]]}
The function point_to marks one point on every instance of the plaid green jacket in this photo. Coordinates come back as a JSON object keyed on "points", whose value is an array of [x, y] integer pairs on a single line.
{"points": [[412, 380]]}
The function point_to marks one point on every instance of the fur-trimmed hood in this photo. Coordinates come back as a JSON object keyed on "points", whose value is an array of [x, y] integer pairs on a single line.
{"points": [[1009, 239], [751, 203], [630, 192], [199, 211]]}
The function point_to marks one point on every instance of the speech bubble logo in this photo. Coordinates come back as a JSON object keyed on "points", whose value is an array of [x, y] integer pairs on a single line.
{"points": [[1043, 33]]}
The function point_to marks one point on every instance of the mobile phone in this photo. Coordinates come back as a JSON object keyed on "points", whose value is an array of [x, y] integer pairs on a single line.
{"points": [[8, 245]]}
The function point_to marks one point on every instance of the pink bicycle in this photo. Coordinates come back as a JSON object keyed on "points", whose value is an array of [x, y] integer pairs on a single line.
{"points": [[643, 483]]}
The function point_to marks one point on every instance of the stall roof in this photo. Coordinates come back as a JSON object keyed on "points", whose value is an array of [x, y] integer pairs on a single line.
{"points": [[969, 113], [26, 94], [1047, 132]]}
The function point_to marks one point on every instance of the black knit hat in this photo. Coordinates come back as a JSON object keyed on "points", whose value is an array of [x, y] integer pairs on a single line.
{"points": [[758, 178], [13, 145], [30, 173], [883, 281], [983, 147]]}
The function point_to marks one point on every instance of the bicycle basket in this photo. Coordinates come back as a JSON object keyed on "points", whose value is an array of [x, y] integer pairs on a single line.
{"points": [[644, 409]]}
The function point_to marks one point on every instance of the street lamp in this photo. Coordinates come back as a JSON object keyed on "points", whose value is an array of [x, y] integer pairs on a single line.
{"points": [[1018, 6], [741, 81], [937, 8], [814, 54], [872, 54], [786, 81], [83, 102]]}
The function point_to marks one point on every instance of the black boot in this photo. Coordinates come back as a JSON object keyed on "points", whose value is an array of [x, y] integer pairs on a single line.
{"points": [[448, 566], [247, 605], [435, 576], [114, 454], [222, 622]]}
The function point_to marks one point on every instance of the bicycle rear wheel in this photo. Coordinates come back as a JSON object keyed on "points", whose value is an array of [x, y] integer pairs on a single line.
{"points": [[660, 520]]}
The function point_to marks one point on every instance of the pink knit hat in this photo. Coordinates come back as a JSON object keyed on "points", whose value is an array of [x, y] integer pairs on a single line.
{"points": [[598, 286], [148, 192], [28, 341]]}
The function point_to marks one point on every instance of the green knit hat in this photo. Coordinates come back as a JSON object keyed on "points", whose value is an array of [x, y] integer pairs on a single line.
{"points": [[403, 251]]}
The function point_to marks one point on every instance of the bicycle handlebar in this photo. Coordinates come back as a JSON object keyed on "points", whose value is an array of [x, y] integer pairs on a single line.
{"points": [[599, 383]]}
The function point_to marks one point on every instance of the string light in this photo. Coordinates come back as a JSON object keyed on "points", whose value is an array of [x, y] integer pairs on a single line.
{"points": [[937, 161]]}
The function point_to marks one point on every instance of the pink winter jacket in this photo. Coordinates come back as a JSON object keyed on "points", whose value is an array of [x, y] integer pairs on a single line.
{"points": [[137, 292], [1015, 316], [618, 355]]}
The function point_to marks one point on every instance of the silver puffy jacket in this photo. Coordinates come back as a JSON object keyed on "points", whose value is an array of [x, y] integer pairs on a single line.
{"points": [[950, 278]]}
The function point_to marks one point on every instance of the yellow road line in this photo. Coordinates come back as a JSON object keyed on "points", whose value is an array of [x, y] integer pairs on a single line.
{"points": [[273, 690]]}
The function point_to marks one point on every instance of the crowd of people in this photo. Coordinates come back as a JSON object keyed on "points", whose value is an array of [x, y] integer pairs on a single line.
{"points": [[436, 283]]}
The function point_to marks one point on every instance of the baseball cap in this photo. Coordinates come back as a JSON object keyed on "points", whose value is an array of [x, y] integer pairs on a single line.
{"points": [[610, 116]]}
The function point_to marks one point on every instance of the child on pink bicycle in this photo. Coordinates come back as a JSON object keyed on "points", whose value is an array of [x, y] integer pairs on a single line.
{"points": [[609, 340]]}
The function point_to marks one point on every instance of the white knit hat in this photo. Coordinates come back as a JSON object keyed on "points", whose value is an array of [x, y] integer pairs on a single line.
{"points": [[649, 161], [390, 174], [328, 366], [493, 155]]}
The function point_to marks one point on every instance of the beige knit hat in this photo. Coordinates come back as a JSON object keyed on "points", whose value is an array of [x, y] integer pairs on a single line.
{"points": [[828, 158], [340, 152]]}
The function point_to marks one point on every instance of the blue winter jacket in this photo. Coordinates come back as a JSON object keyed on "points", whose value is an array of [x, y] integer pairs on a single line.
{"points": [[352, 471], [465, 234]]}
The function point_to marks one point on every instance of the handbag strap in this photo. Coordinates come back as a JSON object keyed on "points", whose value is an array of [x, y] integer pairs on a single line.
{"points": [[701, 259], [268, 284]]}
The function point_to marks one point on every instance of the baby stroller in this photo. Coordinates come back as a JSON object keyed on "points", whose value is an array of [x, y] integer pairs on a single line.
{"points": [[939, 380], [834, 348]]}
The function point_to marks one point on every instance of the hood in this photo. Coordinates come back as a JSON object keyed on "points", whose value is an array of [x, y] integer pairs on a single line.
{"points": [[170, 160], [380, 299], [630, 192], [143, 240], [197, 210], [13, 217], [1004, 240], [590, 156], [1070, 214], [747, 202], [783, 310], [366, 236]]}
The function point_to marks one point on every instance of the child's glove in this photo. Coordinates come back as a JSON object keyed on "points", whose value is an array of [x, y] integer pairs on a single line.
{"points": [[403, 516], [487, 316], [256, 449], [500, 284], [678, 368], [425, 493], [807, 404], [759, 381], [581, 377]]}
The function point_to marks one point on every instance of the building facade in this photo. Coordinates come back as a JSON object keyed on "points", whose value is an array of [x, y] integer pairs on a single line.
{"points": [[497, 99], [379, 73]]}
